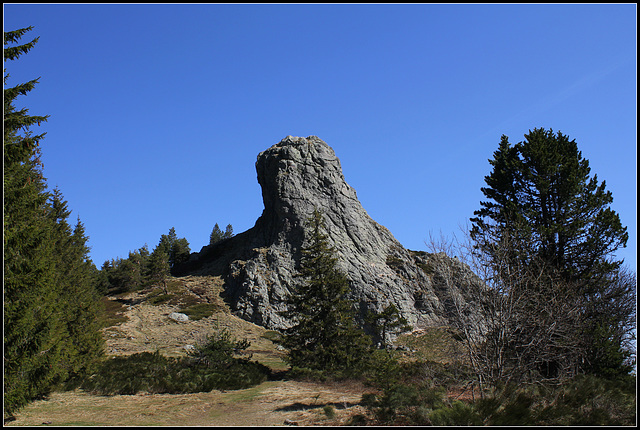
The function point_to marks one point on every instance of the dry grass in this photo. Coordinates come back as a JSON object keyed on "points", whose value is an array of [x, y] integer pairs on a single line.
{"points": [[140, 326], [268, 404]]}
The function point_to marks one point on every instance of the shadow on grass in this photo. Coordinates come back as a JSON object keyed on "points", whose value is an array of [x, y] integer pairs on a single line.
{"points": [[297, 406]]}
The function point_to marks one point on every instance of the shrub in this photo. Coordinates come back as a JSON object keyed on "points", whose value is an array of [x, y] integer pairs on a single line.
{"points": [[272, 335], [199, 311], [219, 349], [456, 414], [329, 411], [159, 299], [154, 373]]}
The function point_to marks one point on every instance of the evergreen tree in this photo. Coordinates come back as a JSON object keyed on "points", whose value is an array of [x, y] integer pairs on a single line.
{"points": [[387, 323], [79, 296], [49, 333], [32, 329], [159, 268], [324, 335], [546, 212], [176, 249], [217, 235]]}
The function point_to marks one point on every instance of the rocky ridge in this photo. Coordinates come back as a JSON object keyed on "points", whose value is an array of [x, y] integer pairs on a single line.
{"points": [[259, 266]]}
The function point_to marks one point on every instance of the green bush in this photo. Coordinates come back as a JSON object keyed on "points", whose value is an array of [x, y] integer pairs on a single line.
{"points": [[272, 335], [584, 400], [159, 299], [404, 403], [199, 311], [219, 349], [211, 366], [456, 414], [329, 411]]}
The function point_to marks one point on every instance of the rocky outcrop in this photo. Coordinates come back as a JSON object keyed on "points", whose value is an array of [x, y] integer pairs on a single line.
{"points": [[259, 266]]}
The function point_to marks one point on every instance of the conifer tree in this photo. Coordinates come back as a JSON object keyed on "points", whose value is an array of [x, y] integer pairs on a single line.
{"points": [[176, 249], [324, 335], [79, 296], [217, 235], [48, 316], [545, 214], [159, 268], [387, 323], [31, 328]]}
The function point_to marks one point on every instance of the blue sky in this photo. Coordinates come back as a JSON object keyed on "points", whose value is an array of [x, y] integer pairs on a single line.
{"points": [[158, 112]]}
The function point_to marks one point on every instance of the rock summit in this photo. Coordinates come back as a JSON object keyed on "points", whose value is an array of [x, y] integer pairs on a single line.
{"points": [[297, 176]]}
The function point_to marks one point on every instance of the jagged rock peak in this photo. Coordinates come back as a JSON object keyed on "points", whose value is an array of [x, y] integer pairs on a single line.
{"points": [[299, 174], [259, 266]]}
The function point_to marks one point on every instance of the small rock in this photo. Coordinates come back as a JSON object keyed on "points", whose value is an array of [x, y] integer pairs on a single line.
{"points": [[288, 422], [177, 316]]}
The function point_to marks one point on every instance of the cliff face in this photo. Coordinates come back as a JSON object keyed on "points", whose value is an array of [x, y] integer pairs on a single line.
{"points": [[297, 176]]}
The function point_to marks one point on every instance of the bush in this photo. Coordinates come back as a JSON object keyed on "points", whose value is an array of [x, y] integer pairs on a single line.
{"points": [[219, 349], [584, 400], [211, 366], [199, 311], [456, 414], [404, 403], [273, 336], [329, 411]]}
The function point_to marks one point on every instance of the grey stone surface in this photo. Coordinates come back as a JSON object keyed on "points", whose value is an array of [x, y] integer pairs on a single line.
{"points": [[298, 175], [178, 317]]}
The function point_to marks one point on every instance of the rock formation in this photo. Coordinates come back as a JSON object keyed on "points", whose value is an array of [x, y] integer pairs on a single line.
{"points": [[258, 266]]}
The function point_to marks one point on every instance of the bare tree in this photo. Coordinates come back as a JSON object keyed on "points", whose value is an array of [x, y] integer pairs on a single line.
{"points": [[519, 322]]}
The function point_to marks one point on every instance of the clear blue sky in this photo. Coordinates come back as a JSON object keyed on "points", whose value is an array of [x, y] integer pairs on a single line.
{"points": [[158, 112]]}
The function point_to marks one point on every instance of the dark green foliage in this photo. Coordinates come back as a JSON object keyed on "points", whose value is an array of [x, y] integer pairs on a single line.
{"points": [[123, 275], [211, 366], [584, 400], [176, 248], [217, 235], [19, 149], [200, 310], [404, 404], [324, 336], [159, 268], [387, 323], [219, 349], [547, 231], [540, 192], [457, 414], [50, 302], [77, 280], [142, 269], [329, 411]]}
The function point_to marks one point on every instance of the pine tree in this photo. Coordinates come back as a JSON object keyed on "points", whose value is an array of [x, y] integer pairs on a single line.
{"points": [[32, 329], [387, 324], [159, 268], [217, 235], [79, 296], [176, 249], [324, 335], [546, 215], [49, 330]]}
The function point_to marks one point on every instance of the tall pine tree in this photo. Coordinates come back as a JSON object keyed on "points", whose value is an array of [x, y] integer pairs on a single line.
{"points": [[324, 335], [49, 314]]}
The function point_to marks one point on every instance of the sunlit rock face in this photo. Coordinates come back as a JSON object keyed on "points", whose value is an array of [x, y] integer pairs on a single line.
{"points": [[259, 266]]}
